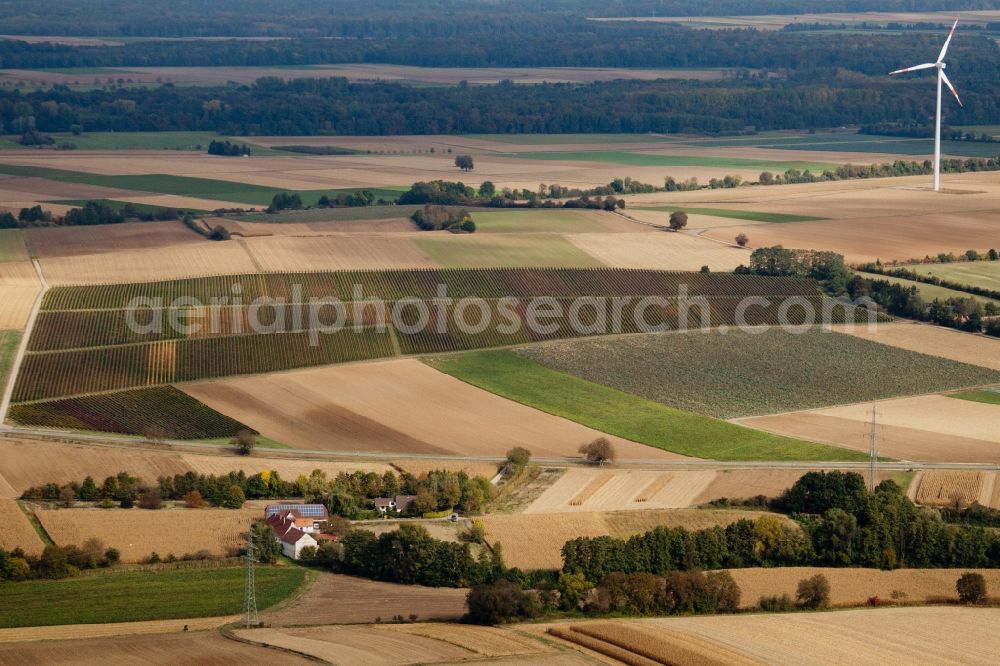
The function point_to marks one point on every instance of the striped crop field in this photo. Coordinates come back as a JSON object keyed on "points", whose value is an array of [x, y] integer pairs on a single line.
{"points": [[86, 347]]}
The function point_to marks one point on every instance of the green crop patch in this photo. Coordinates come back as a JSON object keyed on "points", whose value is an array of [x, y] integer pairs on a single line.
{"points": [[754, 216], [985, 274], [203, 188], [536, 220], [989, 396], [930, 292], [12, 246], [552, 251], [140, 596], [743, 373], [633, 417]]}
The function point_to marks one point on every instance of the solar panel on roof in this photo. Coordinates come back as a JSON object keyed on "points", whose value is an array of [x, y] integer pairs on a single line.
{"points": [[305, 510]]}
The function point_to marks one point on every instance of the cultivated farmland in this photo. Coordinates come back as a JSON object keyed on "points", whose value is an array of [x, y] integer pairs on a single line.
{"points": [[16, 531], [984, 274], [606, 490], [934, 341], [955, 489], [137, 533], [742, 373], [897, 635]]}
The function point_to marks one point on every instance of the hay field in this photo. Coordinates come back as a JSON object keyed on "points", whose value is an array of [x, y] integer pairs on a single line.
{"points": [[550, 221], [660, 250], [984, 274], [202, 647], [535, 540], [28, 463], [951, 488], [18, 282], [337, 599], [934, 340], [163, 263], [418, 467], [51, 242], [870, 637], [138, 532], [400, 406], [76, 632], [341, 252], [621, 490], [485, 641], [16, 531]]}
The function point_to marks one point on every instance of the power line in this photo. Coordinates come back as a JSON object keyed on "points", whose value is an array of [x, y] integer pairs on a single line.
{"points": [[250, 595]]}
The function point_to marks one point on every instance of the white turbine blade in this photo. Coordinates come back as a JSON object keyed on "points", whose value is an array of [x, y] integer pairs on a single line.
{"points": [[944, 77], [944, 49], [927, 65]]}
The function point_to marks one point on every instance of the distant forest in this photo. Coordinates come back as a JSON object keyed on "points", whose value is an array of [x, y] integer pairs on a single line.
{"points": [[389, 18], [777, 79]]}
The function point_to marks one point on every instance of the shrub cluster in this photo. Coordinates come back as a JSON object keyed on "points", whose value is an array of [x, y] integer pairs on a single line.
{"points": [[435, 218], [55, 561]]}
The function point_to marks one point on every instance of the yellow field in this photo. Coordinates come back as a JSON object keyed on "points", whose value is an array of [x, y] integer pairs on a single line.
{"points": [[16, 531], [939, 488], [138, 532], [485, 641], [660, 251], [535, 541], [588, 490], [78, 632], [875, 637], [340, 252]]}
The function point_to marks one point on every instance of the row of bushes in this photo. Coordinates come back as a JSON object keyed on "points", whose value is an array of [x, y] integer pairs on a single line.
{"points": [[436, 218], [56, 562]]}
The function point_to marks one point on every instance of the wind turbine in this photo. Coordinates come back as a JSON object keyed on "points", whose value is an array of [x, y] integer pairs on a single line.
{"points": [[941, 77]]}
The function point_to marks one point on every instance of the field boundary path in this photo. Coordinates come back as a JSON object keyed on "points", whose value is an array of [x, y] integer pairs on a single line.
{"points": [[22, 347]]}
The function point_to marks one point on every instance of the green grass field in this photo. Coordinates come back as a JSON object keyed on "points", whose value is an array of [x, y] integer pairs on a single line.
{"points": [[753, 373], [984, 274], [8, 347], [498, 251], [566, 139], [133, 597], [929, 292], [849, 141], [536, 220], [12, 246], [205, 188], [755, 216], [642, 159], [990, 396], [189, 141], [624, 414]]}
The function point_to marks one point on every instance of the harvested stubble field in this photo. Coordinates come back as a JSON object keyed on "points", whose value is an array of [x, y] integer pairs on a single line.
{"points": [[939, 635], [742, 372], [484, 641], [138, 532], [535, 540], [949, 488], [203, 647], [51, 242], [340, 252], [660, 251], [509, 250], [549, 221], [739, 484], [336, 599], [16, 531], [75, 632], [28, 463], [935, 341], [587, 490], [418, 467], [402, 406]]}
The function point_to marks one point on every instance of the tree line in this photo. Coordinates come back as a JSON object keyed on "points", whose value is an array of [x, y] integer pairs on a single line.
{"points": [[273, 106], [839, 523]]}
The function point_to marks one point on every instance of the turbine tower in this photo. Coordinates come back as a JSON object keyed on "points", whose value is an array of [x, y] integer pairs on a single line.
{"points": [[940, 65]]}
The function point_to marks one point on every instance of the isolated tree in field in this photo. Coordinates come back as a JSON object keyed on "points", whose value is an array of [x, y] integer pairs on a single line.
{"points": [[814, 592], [678, 220], [599, 451], [971, 588], [244, 442], [194, 500], [742, 240], [464, 162]]}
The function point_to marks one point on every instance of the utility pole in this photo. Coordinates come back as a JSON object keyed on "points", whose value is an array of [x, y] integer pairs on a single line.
{"points": [[250, 596], [873, 450]]}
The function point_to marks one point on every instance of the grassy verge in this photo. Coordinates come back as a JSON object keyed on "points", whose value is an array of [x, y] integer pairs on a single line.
{"points": [[35, 523], [8, 347], [139, 596], [755, 216], [626, 415], [988, 396]]}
